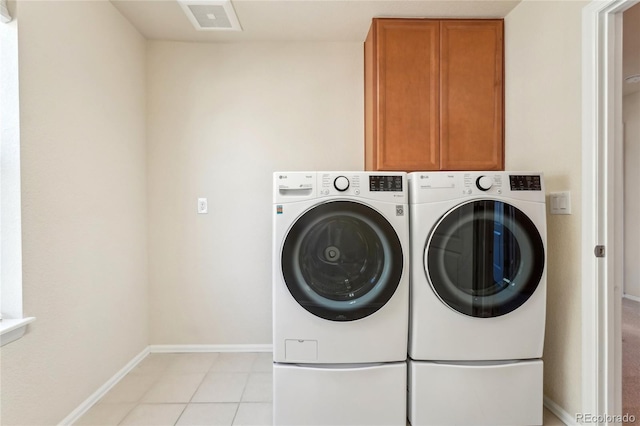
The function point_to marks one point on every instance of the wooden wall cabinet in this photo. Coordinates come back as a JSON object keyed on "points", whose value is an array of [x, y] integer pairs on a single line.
{"points": [[434, 95]]}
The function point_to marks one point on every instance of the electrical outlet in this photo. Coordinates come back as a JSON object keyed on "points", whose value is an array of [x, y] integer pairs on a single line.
{"points": [[202, 206]]}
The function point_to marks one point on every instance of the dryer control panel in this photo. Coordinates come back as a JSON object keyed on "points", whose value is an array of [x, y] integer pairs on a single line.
{"points": [[483, 183], [525, 182], [385, 183], [440, 186]]}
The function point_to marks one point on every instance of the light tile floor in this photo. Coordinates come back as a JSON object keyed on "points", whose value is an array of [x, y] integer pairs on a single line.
{"points": [[190, 389], [196, 389]]}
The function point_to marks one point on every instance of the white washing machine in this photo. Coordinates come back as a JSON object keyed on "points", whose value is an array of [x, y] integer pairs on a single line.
{"points": [[340, 297], [478, 297]]}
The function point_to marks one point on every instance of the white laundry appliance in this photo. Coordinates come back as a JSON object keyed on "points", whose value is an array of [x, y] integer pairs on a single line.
{"points": [[478, 298], [340, 297]]}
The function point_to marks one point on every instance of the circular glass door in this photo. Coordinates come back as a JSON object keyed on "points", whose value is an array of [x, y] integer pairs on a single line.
{"points": [[484, 258], [342, 261]]}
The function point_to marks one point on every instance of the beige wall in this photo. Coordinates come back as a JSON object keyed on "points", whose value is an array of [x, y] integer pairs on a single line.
{"points": [[82, 100], [543, 132], [631, 105], [221, 119]]}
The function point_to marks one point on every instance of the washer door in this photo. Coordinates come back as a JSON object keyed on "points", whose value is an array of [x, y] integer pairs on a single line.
{"points": [[484, 258], [342, 261]]}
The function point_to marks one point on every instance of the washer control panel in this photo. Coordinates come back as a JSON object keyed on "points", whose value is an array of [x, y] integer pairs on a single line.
{"points": [[378, 185], [385, 183], [341, 184]]}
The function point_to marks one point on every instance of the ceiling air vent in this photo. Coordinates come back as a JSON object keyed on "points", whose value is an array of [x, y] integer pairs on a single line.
{"points": [[214, 15]]}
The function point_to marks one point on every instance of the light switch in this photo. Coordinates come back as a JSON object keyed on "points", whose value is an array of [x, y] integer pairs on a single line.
{"points": [[560, 202]]}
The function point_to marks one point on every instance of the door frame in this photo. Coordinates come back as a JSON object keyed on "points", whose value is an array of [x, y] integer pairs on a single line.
{"points": [[602, 205]]}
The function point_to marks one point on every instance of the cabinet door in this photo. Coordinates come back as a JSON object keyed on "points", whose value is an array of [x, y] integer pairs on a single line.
{"points": [[472, 99], [402, 95]]}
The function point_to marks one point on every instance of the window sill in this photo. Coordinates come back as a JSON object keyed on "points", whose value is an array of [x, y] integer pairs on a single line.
{"points": [[13, 329]]}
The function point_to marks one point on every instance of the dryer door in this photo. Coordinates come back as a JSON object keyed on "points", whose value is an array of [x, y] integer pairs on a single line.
{"points": [[342, 261], [484, 258]]}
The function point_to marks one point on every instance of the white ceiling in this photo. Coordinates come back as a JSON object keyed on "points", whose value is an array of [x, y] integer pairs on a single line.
{"points": [[299, 20], [631, 47], [333, 20]]}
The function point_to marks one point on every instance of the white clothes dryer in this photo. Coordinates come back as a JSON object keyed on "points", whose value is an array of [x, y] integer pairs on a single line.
{"points": [[478, 297], [478, 276], [340, 267]]}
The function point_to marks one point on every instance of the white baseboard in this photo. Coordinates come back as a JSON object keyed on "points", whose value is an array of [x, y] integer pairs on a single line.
{"points": [[102, 390], [209, 348], [630, 297], [559, 412]]}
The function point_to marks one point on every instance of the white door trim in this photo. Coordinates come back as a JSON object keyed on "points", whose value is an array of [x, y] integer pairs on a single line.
{"points": [[601, 188]]}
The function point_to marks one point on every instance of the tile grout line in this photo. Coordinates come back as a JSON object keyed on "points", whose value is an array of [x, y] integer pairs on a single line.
{"points": [[235, 414], [128, 412], [244, 388], [246, 383], [141, 398], [181, 413], [194, 392]]}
